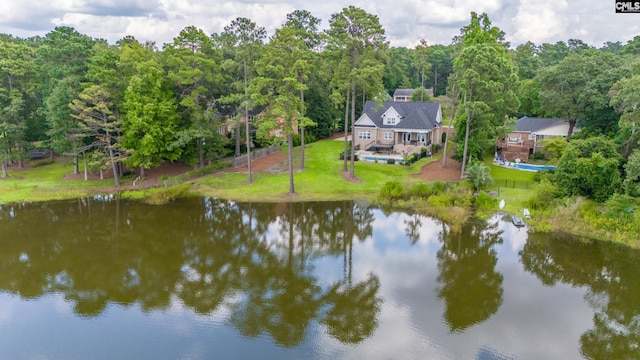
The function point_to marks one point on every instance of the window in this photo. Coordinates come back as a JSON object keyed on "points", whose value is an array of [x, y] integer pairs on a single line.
{"points": [[422, 137], [514, 140], [388, 135], [406, 137], [364, 135], [390, 120]]}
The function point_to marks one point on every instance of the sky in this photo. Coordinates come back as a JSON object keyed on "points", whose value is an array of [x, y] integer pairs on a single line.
{"points": [[405, 22]]}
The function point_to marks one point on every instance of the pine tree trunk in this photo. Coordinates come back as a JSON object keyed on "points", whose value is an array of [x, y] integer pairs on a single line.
{"points": [[292, 189], [352, 174], [346, 131], [238, 139], [466, 144], [446, 139], [247, 128], [201, 152], [301, 135], [86, 170]]}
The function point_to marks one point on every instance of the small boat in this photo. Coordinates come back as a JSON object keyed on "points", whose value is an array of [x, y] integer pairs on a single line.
{"points": [[527, 214], [517, 221]]}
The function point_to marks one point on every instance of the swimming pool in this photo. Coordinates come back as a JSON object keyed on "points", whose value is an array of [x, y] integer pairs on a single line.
{"points": [[529, 167], [380, 159]]}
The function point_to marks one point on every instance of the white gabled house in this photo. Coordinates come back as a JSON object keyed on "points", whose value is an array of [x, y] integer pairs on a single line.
{"points": [[398, 127]]}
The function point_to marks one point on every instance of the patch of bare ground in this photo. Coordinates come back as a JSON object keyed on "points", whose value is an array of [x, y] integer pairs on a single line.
{"points": [[270, 162], [346, 175], [435, 172], [151, 179]]}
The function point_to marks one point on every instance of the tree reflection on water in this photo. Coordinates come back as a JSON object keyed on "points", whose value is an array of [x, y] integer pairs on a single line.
{"points": [[209, 253], [470, 286], [609, 272]]}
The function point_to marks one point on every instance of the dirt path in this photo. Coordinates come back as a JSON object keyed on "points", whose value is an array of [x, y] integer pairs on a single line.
{"points": [[434, 171], [262, 164]]}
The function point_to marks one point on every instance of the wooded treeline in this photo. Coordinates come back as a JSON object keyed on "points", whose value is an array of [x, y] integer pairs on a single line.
{"points": [[137, 104]]}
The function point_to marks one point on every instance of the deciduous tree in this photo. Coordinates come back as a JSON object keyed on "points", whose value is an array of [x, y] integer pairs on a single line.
{"points": [[150, 120], [589, 168]]}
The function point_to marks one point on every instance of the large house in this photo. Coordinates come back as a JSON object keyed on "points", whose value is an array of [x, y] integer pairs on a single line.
{"points": [[526, 139], [398, 127]]}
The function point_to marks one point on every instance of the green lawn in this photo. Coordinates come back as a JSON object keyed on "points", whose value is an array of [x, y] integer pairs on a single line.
{"points": [[45, 183], [322, 178]]}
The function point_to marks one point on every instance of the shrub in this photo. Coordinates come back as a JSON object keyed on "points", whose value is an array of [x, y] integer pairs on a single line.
{"points": [[309, 138], [439, 187], [544, 195], [538, 156], [485, 201], [391, 161], [440, 200], [392, 190], [420, 189], [479, 175], [348, 157]]}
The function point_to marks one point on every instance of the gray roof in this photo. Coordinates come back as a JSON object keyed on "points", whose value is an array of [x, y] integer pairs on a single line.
{"points": [[403, 92], [534, 124], [414, 115]]}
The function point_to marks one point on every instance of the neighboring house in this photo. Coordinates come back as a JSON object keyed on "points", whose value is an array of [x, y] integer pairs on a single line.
{"points": [[398, 127], [402, 95], [253, 114], [526, 139]]}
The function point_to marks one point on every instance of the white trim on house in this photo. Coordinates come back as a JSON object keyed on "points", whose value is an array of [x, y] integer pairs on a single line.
{"points": [[391, 113], [412, 131], [364, 134], [364, 120]]}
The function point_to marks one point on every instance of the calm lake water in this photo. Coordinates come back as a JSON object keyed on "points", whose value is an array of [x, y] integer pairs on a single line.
{"points": [[211, 279]]}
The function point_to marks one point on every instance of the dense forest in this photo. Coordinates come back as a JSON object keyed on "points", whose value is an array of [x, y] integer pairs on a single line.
{"points": [[135, 104]]}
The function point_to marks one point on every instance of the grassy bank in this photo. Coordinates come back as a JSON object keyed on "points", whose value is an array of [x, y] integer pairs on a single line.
{"points": [[322, 178], [46, 182]]}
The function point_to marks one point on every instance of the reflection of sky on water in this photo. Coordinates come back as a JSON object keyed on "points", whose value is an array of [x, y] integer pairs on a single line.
{"points": [[532, 322]]}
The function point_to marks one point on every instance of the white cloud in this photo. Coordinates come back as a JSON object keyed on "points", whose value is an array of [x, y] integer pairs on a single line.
{"points": [[537, 21], [405, 22]]}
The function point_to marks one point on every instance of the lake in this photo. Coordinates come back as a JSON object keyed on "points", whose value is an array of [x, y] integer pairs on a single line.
{"points": [[204, 278]]}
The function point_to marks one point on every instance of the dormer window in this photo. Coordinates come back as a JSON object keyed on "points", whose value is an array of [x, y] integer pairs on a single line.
{"points": [[390, 120]]}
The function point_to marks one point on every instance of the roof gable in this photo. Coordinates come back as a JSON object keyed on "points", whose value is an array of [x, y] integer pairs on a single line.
{"points": [[391, 117], [364, 120]]}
